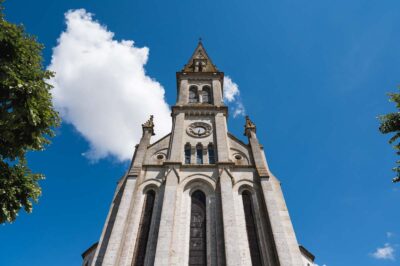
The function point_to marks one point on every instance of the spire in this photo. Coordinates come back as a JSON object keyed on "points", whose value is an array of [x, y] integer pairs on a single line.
{"points": [[200, 61], [249, 127], [149, 125]]}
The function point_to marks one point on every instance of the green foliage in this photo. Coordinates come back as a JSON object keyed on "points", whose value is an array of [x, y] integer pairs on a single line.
{"points": [[17, 187], [27, 117], [390, 123]]}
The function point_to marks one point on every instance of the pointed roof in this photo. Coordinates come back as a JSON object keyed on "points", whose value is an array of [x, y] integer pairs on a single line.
{"points": [[200, 61]]}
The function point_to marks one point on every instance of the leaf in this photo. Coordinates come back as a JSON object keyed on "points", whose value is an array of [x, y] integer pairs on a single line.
{"points": [[27, 117], [390, 123]]}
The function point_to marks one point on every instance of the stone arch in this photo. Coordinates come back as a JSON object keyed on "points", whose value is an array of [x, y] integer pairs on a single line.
{"points": [[198, 229], [261, 225], [203, 181], [244, 184], [142, 241], [150, 184], [143, 253], [206, 94], [193, 94], [244, 160], [253, 233], [191, 184], [163, 151], [159, 156]]}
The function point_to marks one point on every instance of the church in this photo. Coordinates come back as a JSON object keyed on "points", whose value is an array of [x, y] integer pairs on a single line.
{"points": [[199, 195]]}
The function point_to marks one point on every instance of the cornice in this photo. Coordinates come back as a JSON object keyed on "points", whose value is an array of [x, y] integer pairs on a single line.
{"points": [[199, 75], [200, 109]]}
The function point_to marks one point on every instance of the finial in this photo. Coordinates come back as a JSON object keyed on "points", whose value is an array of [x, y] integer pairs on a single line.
{"points": [[249, 126], [149, 124]]}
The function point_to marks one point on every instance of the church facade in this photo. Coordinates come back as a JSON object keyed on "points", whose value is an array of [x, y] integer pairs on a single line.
{"points": [[199, 195]]}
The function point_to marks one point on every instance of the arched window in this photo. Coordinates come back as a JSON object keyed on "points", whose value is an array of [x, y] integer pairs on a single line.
{"points": [[187, 153], [199, 154], [206, 95], [144, 229], [211, 154], [251, 228], [193, 97], [198, 232]]}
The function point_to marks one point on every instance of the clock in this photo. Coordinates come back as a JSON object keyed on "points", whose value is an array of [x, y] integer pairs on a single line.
{"points": [[199, 130]]}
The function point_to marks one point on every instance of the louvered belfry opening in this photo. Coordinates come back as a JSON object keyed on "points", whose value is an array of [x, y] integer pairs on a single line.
{"points": [[251, 228], [144, 229], [198, 232]]}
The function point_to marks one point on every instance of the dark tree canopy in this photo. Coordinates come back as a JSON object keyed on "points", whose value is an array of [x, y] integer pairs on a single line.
{"points": [[27, 117], [390, 123]]}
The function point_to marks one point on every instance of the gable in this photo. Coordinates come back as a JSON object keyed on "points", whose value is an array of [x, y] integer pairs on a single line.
{"points": [[155, 150], [238, 147]]}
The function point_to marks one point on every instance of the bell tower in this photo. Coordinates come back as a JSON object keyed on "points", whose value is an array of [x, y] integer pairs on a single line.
{"points": [[199, 195]]}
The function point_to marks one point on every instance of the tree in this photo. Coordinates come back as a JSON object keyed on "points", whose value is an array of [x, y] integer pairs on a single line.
{"points": [[390, 123], [27, 117]]}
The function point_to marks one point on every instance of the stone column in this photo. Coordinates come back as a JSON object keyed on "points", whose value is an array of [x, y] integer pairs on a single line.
{"points": [[222, 141], [105, 235], [232, 250], [282, 228], [119, 223], [167, 219], [183, 92], [112, 252], [176, 144], [217, 92]]}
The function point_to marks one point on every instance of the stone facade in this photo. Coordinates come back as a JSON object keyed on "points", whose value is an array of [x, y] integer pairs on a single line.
{"points": [[151, 220]]}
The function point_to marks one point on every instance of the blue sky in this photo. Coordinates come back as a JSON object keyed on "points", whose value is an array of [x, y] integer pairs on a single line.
{"points": [[313, 76]]}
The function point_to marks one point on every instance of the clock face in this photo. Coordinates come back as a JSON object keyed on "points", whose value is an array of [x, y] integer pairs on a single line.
{"points": [[199, 129]]}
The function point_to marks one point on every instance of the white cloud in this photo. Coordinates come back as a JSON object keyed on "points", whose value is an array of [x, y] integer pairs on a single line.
{"points": [[232, 97], [384, 253], [231, 90], [102, 89]]}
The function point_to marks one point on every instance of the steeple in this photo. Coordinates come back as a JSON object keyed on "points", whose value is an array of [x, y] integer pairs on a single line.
{"points": [[200, 61], [199, 83]]}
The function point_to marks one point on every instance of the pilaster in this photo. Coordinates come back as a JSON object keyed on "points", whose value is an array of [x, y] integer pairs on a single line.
{"points": [[176, 145], [221, 136], [167, 219], [282, 229], [114, 242], [182, 92], [232, 250], [217, 92]]}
